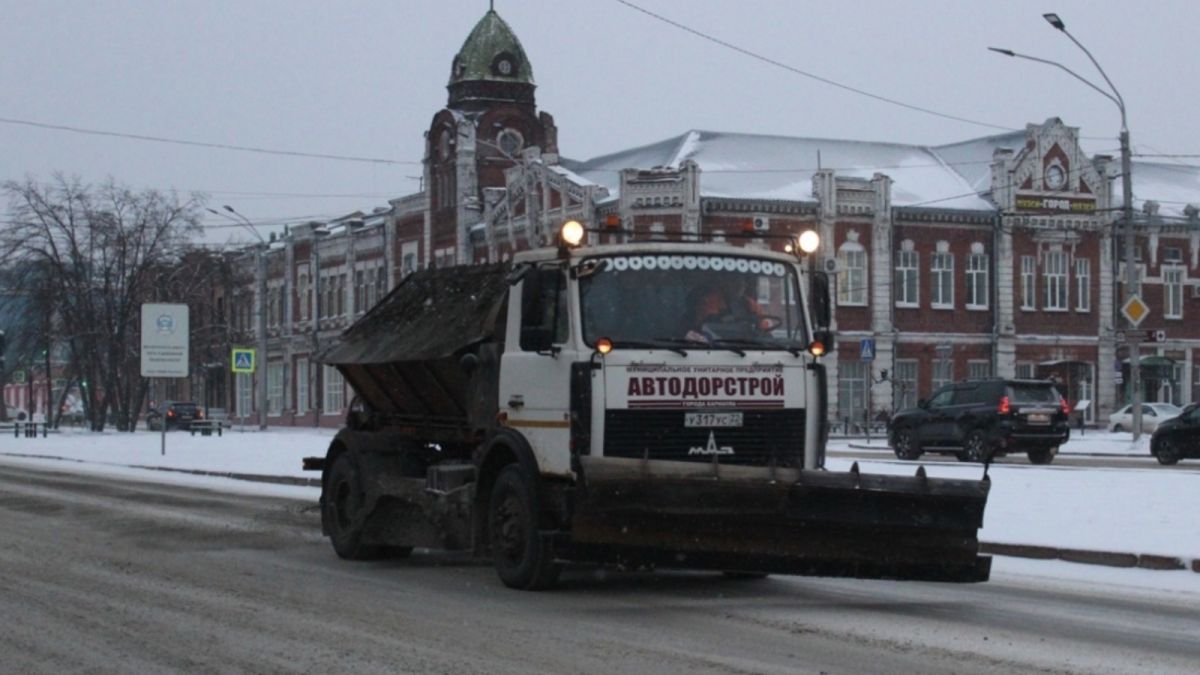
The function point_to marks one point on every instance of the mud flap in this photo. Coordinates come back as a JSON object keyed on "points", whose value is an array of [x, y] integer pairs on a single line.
{"points": [[787, 521]]}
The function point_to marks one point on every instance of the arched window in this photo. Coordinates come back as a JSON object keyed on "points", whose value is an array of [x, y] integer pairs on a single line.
{"points": [[852, 272], [977, 278]]}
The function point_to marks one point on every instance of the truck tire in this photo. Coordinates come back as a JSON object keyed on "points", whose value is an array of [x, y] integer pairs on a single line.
{"points": [[343, 505], [523, 559]]}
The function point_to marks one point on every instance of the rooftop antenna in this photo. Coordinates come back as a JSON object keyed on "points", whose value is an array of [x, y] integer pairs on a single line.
{"points": [[818, 159]]}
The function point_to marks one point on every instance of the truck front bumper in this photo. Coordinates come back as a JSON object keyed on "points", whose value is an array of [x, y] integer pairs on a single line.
{"points": [[788, 521]]}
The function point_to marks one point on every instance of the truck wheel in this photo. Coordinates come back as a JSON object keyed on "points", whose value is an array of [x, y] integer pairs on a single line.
{"points": [[344, 512], [906, 445], [1042, 455], [974, 449], [1165, 453], [522, 558]]}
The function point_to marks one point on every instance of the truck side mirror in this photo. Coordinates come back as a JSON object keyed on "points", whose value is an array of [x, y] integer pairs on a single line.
{"points": [[922, 403], [821, 311]]}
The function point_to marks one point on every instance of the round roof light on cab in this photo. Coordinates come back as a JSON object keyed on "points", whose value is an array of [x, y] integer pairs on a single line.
{"points": [[809, 241], [571, 233], [604, 345]]}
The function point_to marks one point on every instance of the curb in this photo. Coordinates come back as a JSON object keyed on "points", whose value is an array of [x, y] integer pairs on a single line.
{"points": [[1144, 561]]}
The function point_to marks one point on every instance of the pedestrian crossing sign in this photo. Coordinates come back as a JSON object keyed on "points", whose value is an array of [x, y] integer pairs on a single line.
{"points": [[867, 352], [242, 360]]}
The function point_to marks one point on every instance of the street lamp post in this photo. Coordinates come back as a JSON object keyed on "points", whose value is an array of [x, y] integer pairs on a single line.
{"points": [[1127, 193], [317, 401], [261, 274]]}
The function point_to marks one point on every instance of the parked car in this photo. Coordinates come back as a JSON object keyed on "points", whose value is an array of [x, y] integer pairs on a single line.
{"points": [[176, 415], [15, 414], [1178, 438], [979, 419], [1153, 414]]}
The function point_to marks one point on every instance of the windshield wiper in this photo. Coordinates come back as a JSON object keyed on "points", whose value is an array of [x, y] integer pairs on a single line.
{"points": [[658, 343]]}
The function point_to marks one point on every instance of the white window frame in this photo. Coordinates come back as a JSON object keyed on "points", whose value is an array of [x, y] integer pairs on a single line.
{"points": [[302, 385], [852, 275], [1083, 285], [244, 394], [979, 369], [1174, 278], [1028, 282], [908, 271], [977, 280], [941, 276], [274, 388], [1024, 370], [852, 390], [334, 395], [941, 373], [906, 375], [1054, 278]]}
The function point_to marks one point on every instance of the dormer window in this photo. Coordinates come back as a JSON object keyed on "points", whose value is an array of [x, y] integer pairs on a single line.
{"points": [[504, 65]]}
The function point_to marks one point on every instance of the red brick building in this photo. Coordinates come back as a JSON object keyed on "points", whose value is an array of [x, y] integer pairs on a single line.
{"points": [[993, 256]]}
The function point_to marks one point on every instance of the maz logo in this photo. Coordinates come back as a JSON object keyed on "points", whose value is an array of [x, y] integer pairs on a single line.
{"points": [[711, 448]]}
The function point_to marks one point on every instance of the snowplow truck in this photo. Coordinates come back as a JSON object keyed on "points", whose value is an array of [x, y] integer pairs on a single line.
{"points": [[641, 405]]}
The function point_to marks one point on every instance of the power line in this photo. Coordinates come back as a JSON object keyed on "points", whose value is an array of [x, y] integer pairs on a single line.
{"points": [[204, 144], [818, 78], [1165, 156]]}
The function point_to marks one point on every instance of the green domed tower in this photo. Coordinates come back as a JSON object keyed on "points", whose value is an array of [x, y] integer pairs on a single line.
{"points": [[490, 67]]}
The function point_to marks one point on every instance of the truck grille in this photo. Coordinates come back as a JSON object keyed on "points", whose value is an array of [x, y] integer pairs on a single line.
{"points": [[660, 434]]}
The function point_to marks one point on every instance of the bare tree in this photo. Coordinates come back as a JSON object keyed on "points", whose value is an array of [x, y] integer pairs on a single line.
{"points": [[91, 253]]}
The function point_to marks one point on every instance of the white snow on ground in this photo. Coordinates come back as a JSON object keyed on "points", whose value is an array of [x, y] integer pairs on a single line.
{"points": [[1133, 510]]}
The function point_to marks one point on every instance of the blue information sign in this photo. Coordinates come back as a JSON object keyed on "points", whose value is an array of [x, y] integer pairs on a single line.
{"points": [[868, 349]]}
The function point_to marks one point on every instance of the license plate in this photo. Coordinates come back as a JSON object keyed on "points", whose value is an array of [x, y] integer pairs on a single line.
{"points": [[712, 419], [1038, 418]]}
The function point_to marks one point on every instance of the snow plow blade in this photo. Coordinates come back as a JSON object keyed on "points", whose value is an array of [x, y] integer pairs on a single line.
{"points": [[785, 521]]}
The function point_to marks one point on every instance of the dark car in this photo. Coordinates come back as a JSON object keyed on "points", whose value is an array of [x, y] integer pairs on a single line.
{"points": [[1178, 438], [176, 414], [980, 419]]}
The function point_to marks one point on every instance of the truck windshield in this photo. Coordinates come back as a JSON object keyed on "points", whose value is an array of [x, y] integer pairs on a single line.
{"points": [[685, 300]]}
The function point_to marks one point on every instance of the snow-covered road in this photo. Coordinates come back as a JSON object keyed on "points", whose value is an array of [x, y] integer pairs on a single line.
{"points": [[1132, 510]]}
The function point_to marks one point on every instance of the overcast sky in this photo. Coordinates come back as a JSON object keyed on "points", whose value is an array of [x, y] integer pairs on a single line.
{"points": [[363, 79]]}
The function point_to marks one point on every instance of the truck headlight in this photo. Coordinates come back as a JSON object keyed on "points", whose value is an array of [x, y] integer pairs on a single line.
{"points": [[572, 233], [809, 241]]}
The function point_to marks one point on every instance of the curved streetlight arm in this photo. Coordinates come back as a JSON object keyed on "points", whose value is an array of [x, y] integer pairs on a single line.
{"points": [[240, 220], [1115, 99], [246, 221], [1118, 100]]}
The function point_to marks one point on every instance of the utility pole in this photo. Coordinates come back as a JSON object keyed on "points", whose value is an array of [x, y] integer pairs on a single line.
{"points": [[261, 275], [1134, 339]]}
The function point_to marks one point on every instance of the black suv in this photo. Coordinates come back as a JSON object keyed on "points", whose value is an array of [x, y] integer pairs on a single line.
{"points": [[1178, 438], [177, 414], [980, 419]]}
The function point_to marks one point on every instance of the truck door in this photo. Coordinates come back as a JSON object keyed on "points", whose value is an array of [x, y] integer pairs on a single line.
{"points": [[535, 373]]}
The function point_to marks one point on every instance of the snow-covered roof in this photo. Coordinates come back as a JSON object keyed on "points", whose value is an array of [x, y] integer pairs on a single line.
{"points": [[752, 166], [1173, 186], [952, 176]]}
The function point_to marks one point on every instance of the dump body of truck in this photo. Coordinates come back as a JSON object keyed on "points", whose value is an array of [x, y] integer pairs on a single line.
{"points": [[653, 404]]}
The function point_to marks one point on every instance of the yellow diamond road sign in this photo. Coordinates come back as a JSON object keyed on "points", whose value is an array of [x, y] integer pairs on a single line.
{"points": [[1135, 310]]}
